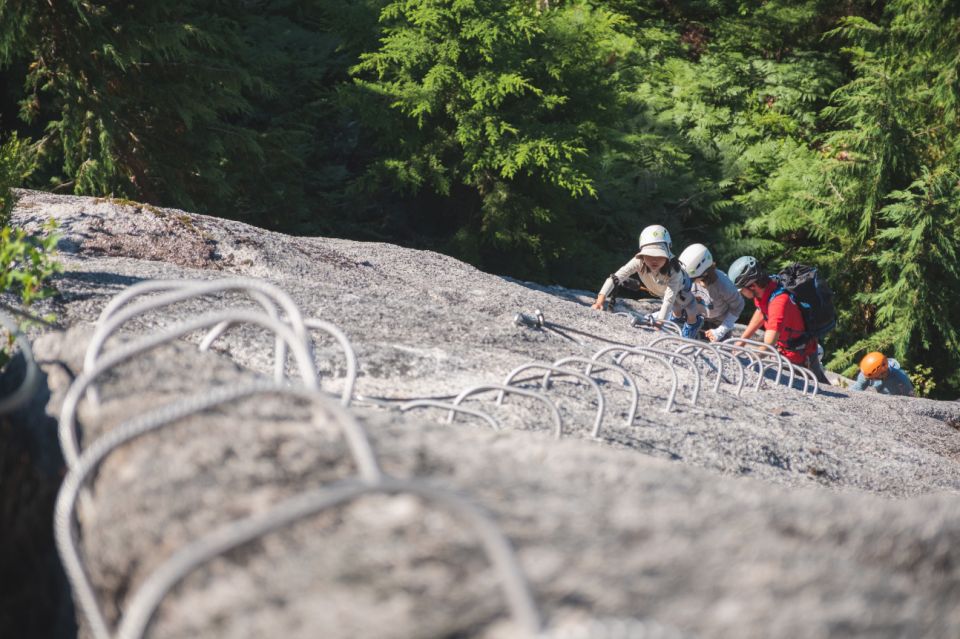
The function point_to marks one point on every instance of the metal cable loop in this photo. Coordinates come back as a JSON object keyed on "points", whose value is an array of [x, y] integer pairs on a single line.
{"points": [[813, 379], [348, 351], [793, 368], [773, 352], [545, 384], [483, 388], [751, 355], [627, 378], [647, 350], [148, 597], [673, 389], [694, 351], [92, 457], [31, 375], [180, 290], [67, 426], [143, 288], [738, 366], [432, 403], [280, 361], [809, 379], [279, 348], [699, 348]]}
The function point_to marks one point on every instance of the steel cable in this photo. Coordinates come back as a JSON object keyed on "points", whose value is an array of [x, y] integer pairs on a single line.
{"points": [[546, 382], [91, 458], [483, 388], [151, 593], [67, 426], [627, 378]]}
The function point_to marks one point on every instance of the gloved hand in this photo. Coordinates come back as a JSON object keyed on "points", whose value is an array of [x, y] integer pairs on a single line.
{"points": [[717, 334]]}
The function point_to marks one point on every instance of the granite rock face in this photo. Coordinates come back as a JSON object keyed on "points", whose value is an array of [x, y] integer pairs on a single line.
{"points": [[771, 514]]}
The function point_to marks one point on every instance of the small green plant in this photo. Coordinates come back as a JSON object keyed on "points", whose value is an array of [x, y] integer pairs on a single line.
{"points": [[27, 263], [18, 160], [922, 378]]}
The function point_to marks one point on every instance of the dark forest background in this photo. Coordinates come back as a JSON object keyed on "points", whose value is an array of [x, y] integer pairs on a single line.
{"points": [[532, 138]]}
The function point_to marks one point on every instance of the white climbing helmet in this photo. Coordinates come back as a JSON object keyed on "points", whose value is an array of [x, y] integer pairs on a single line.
{"points": [[695, 259], [655, 241]]}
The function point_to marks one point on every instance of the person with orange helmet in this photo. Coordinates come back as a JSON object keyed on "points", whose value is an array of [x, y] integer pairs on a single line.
{"points": [[883, 374]]}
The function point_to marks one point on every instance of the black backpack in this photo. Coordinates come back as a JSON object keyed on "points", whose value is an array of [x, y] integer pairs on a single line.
{"points": [[812, 294]]}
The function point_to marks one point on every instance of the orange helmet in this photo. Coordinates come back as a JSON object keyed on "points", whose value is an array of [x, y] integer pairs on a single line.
{"points": [[874, 365]]}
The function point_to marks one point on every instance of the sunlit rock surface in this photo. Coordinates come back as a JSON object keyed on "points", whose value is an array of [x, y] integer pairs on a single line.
{"points": [[771, 514]]}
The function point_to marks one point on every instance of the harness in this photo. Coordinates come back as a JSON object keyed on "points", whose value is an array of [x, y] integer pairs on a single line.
{"points": [[797, 342]]}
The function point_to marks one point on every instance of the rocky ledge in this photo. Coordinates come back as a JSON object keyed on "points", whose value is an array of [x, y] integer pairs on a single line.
{"points": [[770, 513]]}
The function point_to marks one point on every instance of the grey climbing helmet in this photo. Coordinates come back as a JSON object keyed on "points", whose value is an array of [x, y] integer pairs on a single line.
{"points": [[745, 271]]}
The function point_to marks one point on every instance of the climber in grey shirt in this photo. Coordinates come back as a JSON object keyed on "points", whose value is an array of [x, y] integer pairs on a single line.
{"points": [[720, 301]]}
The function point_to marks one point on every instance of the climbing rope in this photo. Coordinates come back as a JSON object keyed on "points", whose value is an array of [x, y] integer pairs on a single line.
{"points": [[31, 377]]}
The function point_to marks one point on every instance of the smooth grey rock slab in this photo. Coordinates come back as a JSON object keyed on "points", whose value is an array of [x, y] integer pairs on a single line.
{"points": [[769, 515]]}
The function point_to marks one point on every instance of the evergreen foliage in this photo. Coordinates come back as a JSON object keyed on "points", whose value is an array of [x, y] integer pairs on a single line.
{"points": [[532, 138], [27, 263], [876, 199], [498, 104]]}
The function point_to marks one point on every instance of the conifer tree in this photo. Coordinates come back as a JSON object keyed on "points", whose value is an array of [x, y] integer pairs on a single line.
{"points": [[136, 99], [875, 200], [497, 103]]}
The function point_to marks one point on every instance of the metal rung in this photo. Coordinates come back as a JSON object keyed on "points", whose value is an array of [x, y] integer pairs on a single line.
{"points": [[673, 389], [627, 378], [698, 348], [645, 351], [93, 456], [67, 426], [771, 352], [598, 420], [433, 403], [751, 354], [483, 388], [148, 597]]}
